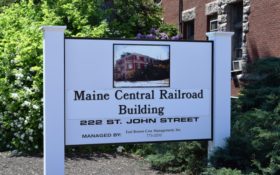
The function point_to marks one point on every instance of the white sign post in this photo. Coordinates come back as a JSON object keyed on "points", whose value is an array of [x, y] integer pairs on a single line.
{"points": [[54, 100], [222, 77], [130, 91]]}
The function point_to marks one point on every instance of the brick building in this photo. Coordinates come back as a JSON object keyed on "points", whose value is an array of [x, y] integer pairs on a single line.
{"points": [[256, 24], [129, 63]]}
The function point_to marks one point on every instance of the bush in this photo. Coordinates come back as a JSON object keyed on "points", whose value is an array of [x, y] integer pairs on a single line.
{"points": [[222, 171], [255, 141], [261, 85], [188, 157], [164, 32], [127, 18]]}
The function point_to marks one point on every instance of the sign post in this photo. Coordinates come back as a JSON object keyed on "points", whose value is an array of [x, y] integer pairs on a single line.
{"points": [[54, 145], [222, 77]]}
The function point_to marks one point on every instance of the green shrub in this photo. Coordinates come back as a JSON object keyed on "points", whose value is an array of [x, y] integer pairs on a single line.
{"points": [[255, 141], [170, 30], [129, 17], [188, 157], [261, 85], [222, 171]]}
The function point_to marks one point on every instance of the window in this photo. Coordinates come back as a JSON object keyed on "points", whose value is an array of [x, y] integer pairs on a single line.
{"points": [[188, 31], [238, 53], [157, 1], [212, 23], [235, 18], [129, 66]]}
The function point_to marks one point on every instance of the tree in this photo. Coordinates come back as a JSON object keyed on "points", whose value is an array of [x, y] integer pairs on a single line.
{"points": [[128, 17], [6, 2], [254, 145]]}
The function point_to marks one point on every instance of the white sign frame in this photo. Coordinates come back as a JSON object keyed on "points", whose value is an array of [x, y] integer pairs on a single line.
{"points": [[76, 51]]}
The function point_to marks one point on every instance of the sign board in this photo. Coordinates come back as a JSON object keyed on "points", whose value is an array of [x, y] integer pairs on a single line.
{"points": [[120, 91]]}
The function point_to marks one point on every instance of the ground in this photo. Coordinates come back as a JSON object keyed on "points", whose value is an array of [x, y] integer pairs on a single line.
{"points": [[94, 164]]}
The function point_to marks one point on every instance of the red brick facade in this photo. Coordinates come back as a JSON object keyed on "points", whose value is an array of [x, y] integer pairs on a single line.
{"points": [[129, 63], [200, 24], [171, 14], [171, 11], [264, 24], [264, 29]]}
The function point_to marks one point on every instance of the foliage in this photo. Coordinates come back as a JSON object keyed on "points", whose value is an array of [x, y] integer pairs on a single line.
{"points": [[137, 16], [82, 18], [261, 85], [170, 30], [255, 142], [21, 67], [222, 171], [165, 32], [6, 2], [189, 157]]}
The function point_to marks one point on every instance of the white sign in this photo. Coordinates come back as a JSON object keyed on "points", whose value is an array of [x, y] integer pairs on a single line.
{"points": [[120, 91]]}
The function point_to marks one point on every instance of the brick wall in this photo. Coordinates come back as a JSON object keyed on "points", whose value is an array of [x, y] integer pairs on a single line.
{"points": [[200, 22], [171, 12], [263, 37], [264, 29]]}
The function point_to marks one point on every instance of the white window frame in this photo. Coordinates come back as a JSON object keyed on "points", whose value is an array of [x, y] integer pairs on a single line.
{"points": [[210, 25]]}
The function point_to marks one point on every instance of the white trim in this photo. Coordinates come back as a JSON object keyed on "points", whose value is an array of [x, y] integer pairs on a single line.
{"points": [[210, 25], [53, 28], [211, 8], [215, 34], [54, 146], [239, 64], [222, 88], [189, 14]]}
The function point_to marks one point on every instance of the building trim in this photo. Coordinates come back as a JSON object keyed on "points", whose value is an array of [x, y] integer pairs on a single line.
{"points": [[222, 21], [211, 8], [188, 15]]}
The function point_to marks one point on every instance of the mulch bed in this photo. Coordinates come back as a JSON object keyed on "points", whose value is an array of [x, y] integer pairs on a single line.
{"points": [[97, 163]]}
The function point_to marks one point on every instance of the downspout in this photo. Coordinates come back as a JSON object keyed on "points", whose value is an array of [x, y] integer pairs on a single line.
{"points": [[180, 16]]}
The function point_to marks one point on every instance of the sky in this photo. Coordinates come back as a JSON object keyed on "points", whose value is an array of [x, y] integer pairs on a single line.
{"points": [[158, 52]]}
